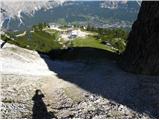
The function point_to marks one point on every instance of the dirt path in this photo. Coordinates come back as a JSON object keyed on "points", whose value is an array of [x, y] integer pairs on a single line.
{"points": [[72, 89]]}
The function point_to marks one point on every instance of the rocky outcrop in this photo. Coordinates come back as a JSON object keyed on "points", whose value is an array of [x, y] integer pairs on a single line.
{"points": [[142, 51]]}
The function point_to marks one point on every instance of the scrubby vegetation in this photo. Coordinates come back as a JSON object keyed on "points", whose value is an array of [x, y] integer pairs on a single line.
{"points": [[40, 26], [39, 40], [115, 38], [43, 39]]}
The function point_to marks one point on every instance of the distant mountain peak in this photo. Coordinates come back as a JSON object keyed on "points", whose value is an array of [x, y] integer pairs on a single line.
{"points": [[112, 4], [17, 14], [12, 9]]}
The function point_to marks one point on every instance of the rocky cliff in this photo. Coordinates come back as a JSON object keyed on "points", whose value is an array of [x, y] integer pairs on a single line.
{"points": [[142, 52]]}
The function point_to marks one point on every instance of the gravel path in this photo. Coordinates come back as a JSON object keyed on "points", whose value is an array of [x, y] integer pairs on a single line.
{"points": [[77, 89]]}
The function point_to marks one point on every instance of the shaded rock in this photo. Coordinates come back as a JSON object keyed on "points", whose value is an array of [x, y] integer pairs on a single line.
{"points": [[142, 51]]}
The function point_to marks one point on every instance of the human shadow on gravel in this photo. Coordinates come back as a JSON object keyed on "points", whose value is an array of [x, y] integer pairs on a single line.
{"points": [[96, 71], [39, 108]]}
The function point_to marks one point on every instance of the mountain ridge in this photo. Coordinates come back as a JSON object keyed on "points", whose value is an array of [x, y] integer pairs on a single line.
{"points": [[30, 15]]}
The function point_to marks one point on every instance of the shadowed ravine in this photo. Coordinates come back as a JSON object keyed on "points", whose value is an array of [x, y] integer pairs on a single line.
{"points": [[89, 84], [101, 75]]}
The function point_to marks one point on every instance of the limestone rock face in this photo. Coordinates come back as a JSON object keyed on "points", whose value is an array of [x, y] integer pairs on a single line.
{"points": [[142, 51]]}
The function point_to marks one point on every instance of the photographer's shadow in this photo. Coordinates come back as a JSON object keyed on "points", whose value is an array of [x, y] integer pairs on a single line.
{"points": [[39, 108]]}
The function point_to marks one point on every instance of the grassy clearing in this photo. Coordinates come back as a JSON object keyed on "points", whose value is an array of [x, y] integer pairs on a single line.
{"points": [[45, 40], [51, 32], [40, 41], [90, 42]]}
